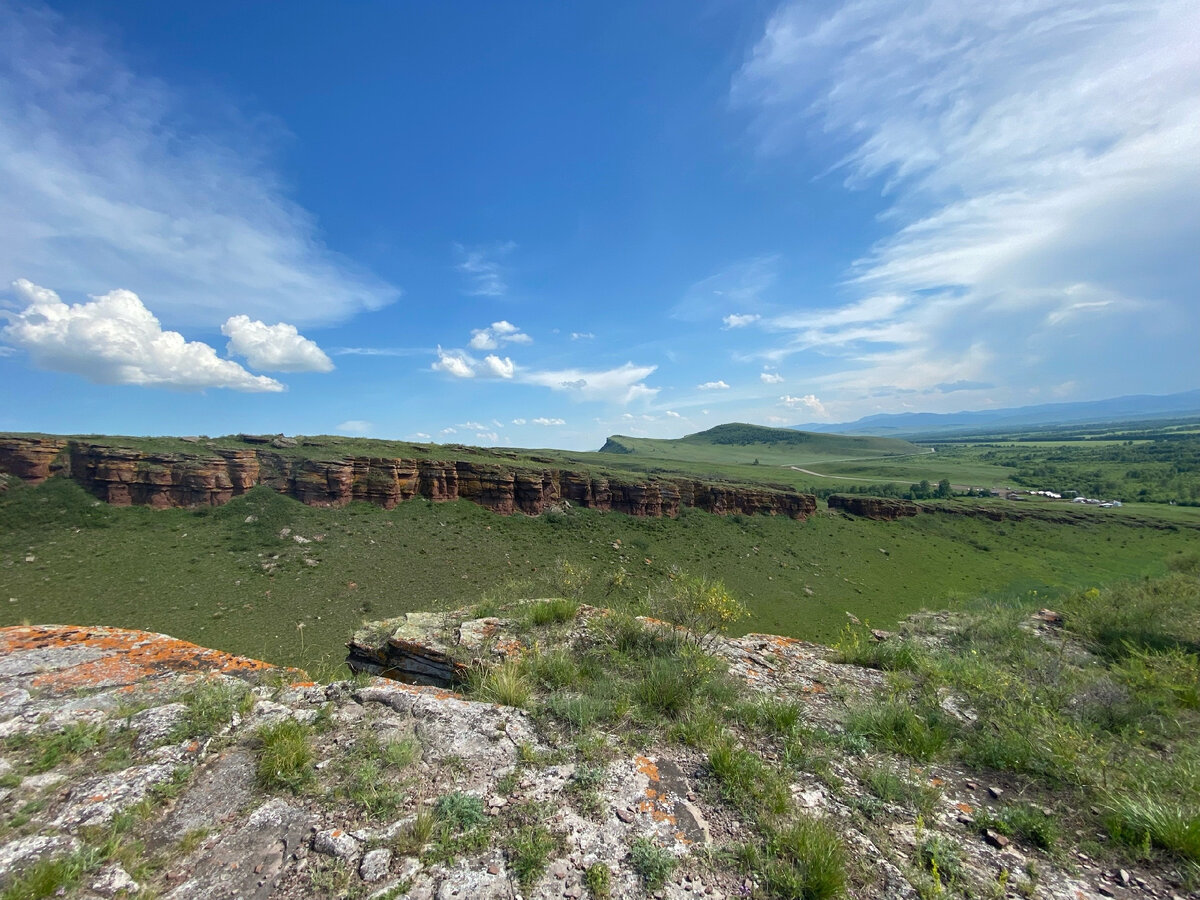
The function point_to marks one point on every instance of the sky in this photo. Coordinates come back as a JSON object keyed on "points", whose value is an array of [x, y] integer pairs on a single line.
{"points": [[541, 224]]}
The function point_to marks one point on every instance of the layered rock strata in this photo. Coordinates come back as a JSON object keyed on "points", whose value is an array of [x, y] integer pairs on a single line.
{"points": [[125, 477]]}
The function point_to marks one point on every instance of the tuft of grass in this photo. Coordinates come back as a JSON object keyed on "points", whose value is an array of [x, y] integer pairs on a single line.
{"points": [[856, 645], [211, 705], [529, 853], [892, 787], [654, 864], [505, 684], [49, 750], [755, 788], [1143, 821], [1024, 821], [285, 758], [49, 877], [942, 859], [806, 860], [918, 733], [552, 612]]}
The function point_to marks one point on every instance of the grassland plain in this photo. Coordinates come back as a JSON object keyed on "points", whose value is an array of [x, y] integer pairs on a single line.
{"points": [[269, 577]]}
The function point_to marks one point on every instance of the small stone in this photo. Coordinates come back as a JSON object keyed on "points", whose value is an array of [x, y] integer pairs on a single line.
{"points": [[559, 870], [374, 866], [625, 816], [493, 869], [1123, 877], [113, 880], [497, 802], [996, 793], [1105, 890], [971, 785], [995, 838], [336, 843]]}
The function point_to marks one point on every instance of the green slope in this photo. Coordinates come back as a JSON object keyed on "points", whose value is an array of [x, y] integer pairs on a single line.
{"points": [[737, 443]]}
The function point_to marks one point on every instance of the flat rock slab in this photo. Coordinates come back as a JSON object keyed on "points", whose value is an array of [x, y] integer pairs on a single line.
{"points": [[247, 861]]}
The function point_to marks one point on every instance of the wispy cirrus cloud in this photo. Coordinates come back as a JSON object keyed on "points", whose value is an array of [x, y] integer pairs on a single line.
{"points": [[1041, 164], [105, 179], [483, 269]]}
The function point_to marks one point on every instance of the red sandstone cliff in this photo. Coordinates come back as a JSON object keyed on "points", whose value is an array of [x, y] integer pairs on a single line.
{"points": [[126, 477]]}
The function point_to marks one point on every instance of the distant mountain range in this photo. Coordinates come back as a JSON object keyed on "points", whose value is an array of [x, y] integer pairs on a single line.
{"points": [[1117, 409]]}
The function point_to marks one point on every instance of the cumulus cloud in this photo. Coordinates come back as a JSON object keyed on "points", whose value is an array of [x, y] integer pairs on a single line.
{"points": [[582, 336], [542, 420], [740, 321], [622, 384], [770, 378], [107, 178], [481, 265], [496, 334], [454, 362], [273, 348], [115, 339], [1041, 165], [808, 401], [501, 368], [357, 426], [713, 386]]}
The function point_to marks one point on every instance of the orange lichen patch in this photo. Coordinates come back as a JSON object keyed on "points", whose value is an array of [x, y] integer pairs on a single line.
{"points": [[815, 688], [964, 808], [683, 838], [655, 812], [647, 767], [937, 782], [423, 689], [129, 658], [303, 684]]}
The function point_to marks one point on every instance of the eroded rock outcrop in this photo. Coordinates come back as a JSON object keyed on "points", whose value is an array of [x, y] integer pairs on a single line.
{"points": [[101, 725], [124, 477], [880, 508]]}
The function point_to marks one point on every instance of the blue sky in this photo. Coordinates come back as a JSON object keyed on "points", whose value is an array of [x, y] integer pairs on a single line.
{"points": [[540, 224]]}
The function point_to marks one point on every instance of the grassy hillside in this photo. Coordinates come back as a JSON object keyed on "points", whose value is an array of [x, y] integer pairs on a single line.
{"points": [[737, 443], [246, 576]]}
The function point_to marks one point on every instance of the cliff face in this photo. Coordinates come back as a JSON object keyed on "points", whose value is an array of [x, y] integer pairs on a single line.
{"points": [[883, 508], [125, 477]]}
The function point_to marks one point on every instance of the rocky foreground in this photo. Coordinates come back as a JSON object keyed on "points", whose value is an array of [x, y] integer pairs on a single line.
{"points": [[140, 764]]}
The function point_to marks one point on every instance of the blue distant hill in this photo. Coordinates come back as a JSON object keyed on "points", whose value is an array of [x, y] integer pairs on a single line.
{"points": [[1117, 409]]}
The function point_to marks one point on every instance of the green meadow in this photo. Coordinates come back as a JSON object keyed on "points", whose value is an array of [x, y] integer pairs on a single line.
{"points": [[269, 577]]}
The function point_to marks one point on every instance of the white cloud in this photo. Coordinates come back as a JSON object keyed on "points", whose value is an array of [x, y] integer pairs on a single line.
{"points": [[542, 420], [518, 421], [670, 413], [501, 368], [1025, 149], [273, 348], [740, 285], [448, 430], [487, 437], [357, 426], [454, 362], [713, 386], [482, 267], [106, 177], [472, 426], [734, 320], [115, 339], [770, 378], [622, 384], [582, 336], [496, 334], [808, 402]]}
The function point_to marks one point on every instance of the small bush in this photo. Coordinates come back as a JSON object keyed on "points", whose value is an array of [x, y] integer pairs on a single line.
{"points": [[703, 606], [285, 758], [598, 879], [941, 858], [653, 864], [665, 689], [460, 811]]}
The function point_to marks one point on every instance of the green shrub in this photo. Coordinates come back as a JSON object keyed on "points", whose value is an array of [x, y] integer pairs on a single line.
{"points": [[703, 606], [653, 864], [285, 759], [598, 879], [460, 811], [747, 782], [857, 646]]}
